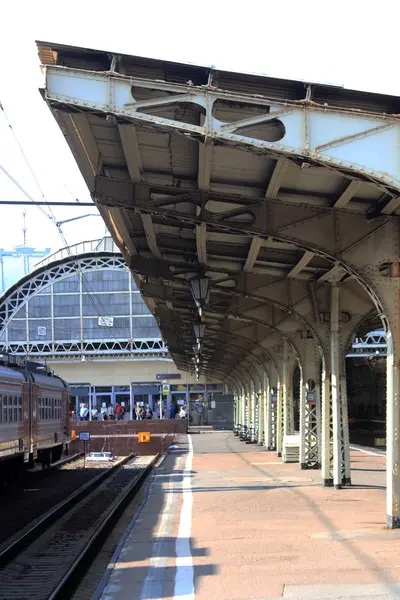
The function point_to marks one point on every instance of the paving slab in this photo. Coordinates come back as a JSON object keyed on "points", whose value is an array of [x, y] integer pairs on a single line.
{"points": [[229, 520]]}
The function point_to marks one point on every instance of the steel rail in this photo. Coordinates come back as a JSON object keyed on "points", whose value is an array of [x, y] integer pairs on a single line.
{"points": [[43, 523], [115, 508]]}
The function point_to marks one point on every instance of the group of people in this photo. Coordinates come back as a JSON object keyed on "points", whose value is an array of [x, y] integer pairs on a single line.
{"points": [[143, 413], [175, 411], [106, 413], [117, 413]]}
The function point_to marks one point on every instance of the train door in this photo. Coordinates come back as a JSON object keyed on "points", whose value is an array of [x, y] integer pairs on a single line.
{"points": [[66, 414], [34, 407], [27, 422]]}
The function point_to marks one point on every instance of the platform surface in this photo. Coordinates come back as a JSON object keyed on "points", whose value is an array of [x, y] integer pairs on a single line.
{"points": [[228, 521]]}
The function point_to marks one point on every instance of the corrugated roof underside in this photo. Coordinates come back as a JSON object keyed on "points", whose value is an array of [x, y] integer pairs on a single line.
{"points": [[279, 89]]}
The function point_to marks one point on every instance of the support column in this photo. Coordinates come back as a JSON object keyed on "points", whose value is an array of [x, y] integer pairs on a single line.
{"points": [[261, 409], [291, 365], [335, 388], [345, 441], [393, 425], [286, 389], [326, 413], [282, 419], [253, 411], [310, 413]]}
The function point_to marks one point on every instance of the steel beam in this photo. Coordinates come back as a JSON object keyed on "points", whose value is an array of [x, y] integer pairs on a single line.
{"points": [[131, 149], [254, 249], [347, 195], [303, 262], [201, 243], [337, 138], [150, 232]]}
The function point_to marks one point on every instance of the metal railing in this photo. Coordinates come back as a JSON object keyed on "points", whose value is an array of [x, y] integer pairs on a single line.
{"points": [[104, 244]]}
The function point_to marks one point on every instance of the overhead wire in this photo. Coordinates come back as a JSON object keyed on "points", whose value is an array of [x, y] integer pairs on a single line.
{"points": [[50, 216], [26, 160]]}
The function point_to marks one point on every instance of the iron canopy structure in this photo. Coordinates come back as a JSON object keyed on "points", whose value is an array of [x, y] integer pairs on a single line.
{"points": [[230, 178], [259, 217]]}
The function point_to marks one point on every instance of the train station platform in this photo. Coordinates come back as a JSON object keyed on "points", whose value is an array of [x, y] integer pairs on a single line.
{"points": [[225, 520]]}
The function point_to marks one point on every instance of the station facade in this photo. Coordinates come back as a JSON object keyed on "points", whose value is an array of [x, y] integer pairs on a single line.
{"points": [[80, 311]]}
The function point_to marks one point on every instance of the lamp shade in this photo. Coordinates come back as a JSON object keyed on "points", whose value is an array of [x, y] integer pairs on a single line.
{"points": [[200, 291], [199, 330]]}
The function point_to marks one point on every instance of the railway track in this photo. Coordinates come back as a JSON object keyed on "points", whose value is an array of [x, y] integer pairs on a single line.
{"points": [[46, 562]]}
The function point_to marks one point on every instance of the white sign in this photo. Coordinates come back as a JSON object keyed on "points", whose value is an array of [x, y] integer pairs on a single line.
{"points": [[212, 403], [41, 330], [106, 321]]}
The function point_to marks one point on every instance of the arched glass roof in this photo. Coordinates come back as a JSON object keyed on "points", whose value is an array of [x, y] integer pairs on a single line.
{"points": [[79, 304]]}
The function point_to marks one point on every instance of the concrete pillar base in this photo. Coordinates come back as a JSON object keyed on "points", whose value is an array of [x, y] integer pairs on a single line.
{"points": [[328, 482], [338, 486]]}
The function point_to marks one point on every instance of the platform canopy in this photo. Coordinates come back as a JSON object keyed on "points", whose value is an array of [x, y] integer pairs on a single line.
{"points": [[228, 194]]}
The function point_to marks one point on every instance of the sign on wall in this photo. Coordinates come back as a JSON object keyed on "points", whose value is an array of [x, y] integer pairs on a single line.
{"points": [[41, 330], [106, 322], [168, 376]]}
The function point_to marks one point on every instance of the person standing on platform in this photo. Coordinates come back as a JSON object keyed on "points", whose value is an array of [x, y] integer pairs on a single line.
{"points": [[172, 411], [182, 412], [84, 412], [110, 412], [119, 411]]}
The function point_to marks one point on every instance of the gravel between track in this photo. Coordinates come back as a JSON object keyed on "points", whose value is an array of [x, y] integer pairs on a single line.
{"points": [[41, 491]]}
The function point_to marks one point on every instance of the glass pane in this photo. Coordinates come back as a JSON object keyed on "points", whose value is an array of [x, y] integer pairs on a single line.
{"points": [[17, 331], [39, 330], [21, 313], [105, 304], [145, 327], [138, 305], [119, 330], [66, 306], [69, 284], [106, 280], [133, 284], [66, 329], [45, 290], [39, 306]]}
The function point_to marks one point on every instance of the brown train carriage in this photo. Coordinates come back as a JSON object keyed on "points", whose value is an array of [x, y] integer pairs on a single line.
{"points": [[50, 417], [34, 416], [15, 444]]}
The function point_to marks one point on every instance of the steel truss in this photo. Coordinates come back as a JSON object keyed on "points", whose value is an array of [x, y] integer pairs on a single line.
{"points": [[312, 434], [301, 123], [30, 285]]}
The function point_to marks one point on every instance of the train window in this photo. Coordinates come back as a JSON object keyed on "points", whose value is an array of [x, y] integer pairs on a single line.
{"points": [[10, 410], [15, 401]]}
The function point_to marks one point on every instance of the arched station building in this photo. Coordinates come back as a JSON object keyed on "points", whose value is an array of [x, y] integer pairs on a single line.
{"points": [[81, 312]]}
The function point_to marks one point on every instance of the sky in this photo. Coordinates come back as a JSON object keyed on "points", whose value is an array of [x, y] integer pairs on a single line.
{"points": [[351, 43]]}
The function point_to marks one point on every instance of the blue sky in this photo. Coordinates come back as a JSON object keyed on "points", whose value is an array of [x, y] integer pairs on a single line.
{"points": [[350, 43]]}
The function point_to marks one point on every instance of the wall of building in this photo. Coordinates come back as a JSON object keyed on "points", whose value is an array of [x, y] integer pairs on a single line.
{"points": [[119, 372]]}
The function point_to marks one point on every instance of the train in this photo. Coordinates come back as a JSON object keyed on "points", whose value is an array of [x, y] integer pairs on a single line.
{"points": [[34, 415]]}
